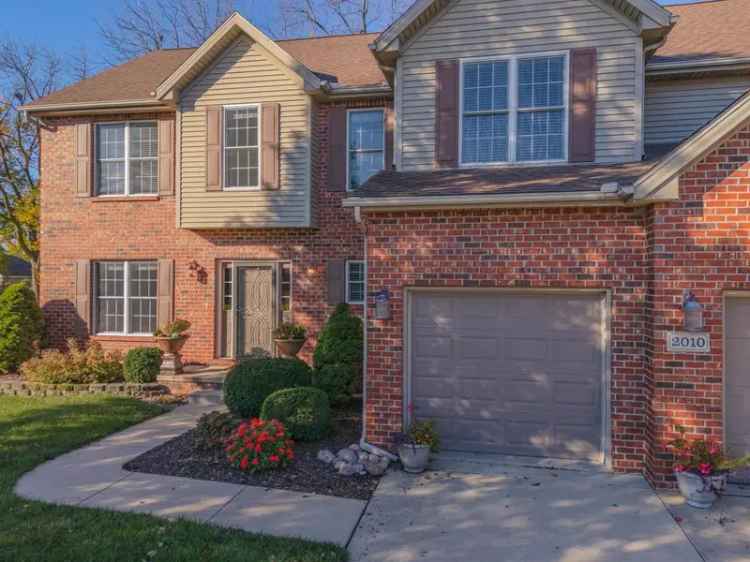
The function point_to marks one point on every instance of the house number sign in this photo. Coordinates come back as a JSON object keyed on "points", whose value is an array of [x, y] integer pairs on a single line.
{"points": [[688, 342]]}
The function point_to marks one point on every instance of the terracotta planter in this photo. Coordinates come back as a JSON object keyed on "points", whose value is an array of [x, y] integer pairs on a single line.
{"points": [[698, 491], [171, 345], [414, 458], [289, 348]]}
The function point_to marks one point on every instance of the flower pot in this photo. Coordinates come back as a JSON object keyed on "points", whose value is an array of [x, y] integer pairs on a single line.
{"points": [[289, 348], [171, 345], [696, 490], [414, 458]]}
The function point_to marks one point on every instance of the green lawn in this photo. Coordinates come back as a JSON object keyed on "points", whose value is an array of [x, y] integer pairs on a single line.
{"points": [[33, 430]]}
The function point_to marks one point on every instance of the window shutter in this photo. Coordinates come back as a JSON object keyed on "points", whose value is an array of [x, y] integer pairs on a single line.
{"points": [[165, 292], [84, 163], [336, 278], [582, 142], [446, 113], [389, 126], [271, 146], [83, 298], [166, 157], [337, 149], [214, 114]]}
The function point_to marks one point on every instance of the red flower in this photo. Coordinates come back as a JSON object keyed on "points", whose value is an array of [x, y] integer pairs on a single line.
{"points": [[243, 463], [256, 461], [274, 458], [679, 467], [705, 469]]}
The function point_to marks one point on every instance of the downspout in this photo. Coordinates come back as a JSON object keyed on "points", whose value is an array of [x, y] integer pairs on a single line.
{"points": [[363, 444]]}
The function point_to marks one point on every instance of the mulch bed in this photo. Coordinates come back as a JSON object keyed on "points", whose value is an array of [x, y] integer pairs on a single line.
{"points": [[180, 457]]}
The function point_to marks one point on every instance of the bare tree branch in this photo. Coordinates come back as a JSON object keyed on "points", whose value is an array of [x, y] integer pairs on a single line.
{"points": [[329, 17]]}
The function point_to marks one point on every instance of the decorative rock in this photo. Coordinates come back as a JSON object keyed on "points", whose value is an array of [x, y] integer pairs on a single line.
{"points": [[348, 469], [363, 457], [347, 455], [326, 456], [376, 466], [354, 447], [339, 463]]}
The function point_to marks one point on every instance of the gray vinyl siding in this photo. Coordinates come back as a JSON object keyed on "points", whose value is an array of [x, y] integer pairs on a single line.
{"points": [[675, 109], [245, 74], [486, 29]]}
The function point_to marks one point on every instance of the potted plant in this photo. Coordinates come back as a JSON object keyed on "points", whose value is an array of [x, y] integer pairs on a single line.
{"points": [[289, 338], [170, 338], [416, 444], [701, 469]]}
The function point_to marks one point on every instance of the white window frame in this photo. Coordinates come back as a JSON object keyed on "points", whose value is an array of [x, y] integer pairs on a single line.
{"points": [[126, 296], [513, 109], [127, 158], [224, 147], [348, 149], [364, 281]]}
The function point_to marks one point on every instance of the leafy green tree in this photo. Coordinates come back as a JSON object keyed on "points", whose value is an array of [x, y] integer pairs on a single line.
{"points": [[21, 325]]}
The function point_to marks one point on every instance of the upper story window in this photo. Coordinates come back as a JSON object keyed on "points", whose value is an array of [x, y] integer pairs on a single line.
{"points": [[241, 147], [355, 282], [514, 110], [127, 158], [366, 142], [125, 297]]}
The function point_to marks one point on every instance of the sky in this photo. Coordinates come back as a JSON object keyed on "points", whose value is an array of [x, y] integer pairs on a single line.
{"points": [[67, 26]]}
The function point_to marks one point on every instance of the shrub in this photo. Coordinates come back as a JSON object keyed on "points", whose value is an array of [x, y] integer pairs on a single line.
{"points": [[260, 445], [21, 326], [336, 380], [251, 381], [142, 364], [304, 411], [340, 342], [214, 428], [78, 366]]}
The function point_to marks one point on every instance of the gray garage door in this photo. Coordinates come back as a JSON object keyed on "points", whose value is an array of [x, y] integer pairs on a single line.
{"points": [[737, 369], [510, 373]]}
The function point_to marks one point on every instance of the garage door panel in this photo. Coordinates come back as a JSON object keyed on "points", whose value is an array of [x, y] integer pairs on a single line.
{"points": [[738, 313], [522, 373]]}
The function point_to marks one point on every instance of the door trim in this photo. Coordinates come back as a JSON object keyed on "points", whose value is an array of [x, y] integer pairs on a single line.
{"points": [[606, 295]]}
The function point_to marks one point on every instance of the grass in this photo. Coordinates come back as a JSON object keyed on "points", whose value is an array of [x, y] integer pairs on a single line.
{"points": [[33, 430]]}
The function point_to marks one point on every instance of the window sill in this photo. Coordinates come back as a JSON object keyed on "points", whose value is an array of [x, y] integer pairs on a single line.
{"points": [[123, 338], [129, 199]]}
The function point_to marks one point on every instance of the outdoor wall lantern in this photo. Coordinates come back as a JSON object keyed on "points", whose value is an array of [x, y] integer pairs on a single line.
{"points": [[692, 313], [383, 305]]}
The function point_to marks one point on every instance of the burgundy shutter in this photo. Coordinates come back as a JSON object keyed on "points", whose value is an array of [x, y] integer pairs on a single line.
{"points": [[336, 281], [446, 113], [84, 163], [214, 115], [389, 126], [270, 146], [83, 298], [582, 142], [166, 157], [337, 149], [165, 292]]}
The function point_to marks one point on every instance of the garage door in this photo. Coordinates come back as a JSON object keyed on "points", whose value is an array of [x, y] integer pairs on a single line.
{"points": [[737, 369], [510, 373]]}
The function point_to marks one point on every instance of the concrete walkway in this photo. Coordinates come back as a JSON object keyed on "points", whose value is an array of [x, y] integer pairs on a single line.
{"points": [[93, 477]]}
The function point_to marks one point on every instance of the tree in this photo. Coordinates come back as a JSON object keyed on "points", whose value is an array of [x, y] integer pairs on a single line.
{"points": [[329, 17]]}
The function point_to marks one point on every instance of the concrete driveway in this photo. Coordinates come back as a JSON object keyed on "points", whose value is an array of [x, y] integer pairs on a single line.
{"points": [[502, 513]]}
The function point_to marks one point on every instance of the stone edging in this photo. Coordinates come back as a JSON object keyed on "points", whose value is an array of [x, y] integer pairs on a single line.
{"points": [[18, 388]]}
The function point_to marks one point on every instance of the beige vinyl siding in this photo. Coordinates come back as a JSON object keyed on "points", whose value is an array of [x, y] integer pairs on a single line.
{"points": [[245, 73], [486, 29], [675, 109]]}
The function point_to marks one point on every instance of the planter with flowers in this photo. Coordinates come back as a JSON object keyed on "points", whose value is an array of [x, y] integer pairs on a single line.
{"points": [[289, 339], [416, 444], [170, 338], [701, 469]]}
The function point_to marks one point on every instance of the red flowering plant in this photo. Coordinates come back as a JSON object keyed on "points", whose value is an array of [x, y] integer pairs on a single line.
{"points": [[703, 457], [260, 445]]}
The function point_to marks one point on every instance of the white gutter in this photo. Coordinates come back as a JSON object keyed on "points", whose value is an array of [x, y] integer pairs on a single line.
{"points": [[657, 68], [72, 106], [340, 91]]}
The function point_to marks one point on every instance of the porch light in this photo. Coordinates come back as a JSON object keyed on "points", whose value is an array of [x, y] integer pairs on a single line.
{"points": [[692, 313]]}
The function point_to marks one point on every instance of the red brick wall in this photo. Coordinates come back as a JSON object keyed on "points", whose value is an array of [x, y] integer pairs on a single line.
{"points": [[85, 228], [535, 248]]}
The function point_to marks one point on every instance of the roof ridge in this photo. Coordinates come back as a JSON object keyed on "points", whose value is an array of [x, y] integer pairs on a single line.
{"points": [[334, 36]]}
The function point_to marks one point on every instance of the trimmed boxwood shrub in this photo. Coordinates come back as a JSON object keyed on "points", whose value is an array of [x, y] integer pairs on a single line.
{"points": [[21, 325], [142, 364], [340, 340], [304, 411], [251, 381], [336, 381]]}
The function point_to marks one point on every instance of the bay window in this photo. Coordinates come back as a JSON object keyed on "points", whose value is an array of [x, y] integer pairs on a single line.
{"points": [[127, 158], [125, 297]]}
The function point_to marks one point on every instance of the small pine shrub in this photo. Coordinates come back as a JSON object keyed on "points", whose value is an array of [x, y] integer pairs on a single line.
{"points": [[142, 364], [341, 340], [260, 445], [304, 411], [21, 326], [213, 429], [336, 380], [251, 381]]}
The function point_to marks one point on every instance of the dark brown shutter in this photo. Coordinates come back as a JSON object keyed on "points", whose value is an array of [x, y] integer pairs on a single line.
{"points": [[446, 113], [166, 157], [165, 292], [336, 279], [213, 147], [582, 142], [271, 145], [84, 164], [389, 126], [337, 149], [83, 298]]}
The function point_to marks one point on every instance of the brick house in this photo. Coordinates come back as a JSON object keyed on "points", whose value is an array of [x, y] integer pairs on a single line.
{"points": [[518, 198]]}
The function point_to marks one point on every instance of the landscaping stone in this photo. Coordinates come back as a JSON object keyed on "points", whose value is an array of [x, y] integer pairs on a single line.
{"points": [[348, 455], [326, 456], [19, 388], [375, 465], [350, 469]]}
